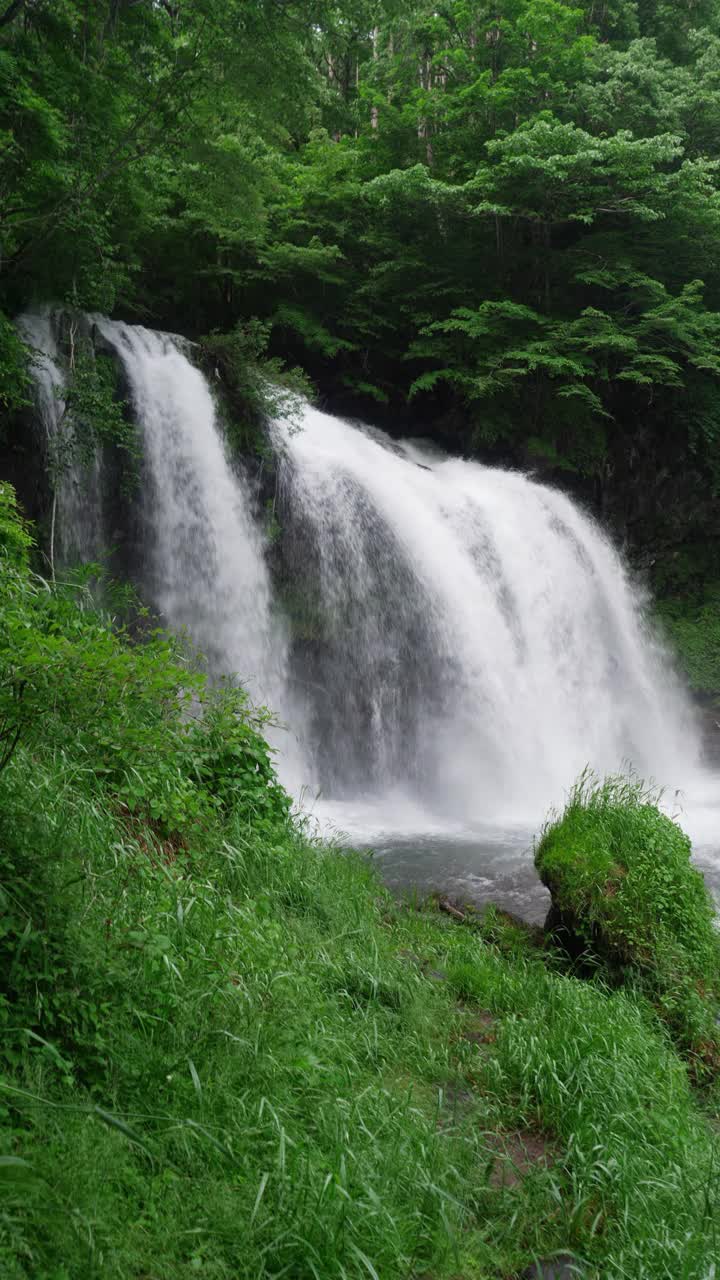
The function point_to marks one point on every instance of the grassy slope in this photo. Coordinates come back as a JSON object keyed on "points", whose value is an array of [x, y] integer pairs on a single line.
{"points": [[225, 1051], [266, 1074]]}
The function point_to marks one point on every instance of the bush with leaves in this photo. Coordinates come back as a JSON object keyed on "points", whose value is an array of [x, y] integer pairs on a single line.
{"points": [[14, 380], [144, 721], [257, 386], [15, 537]]}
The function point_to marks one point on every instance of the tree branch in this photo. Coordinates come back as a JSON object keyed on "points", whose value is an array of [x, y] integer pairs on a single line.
{"points": [[11, 12]]}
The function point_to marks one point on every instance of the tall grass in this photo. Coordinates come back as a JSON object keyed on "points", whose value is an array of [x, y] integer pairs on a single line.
{"points": [[240, 1065], [227, 1052]]}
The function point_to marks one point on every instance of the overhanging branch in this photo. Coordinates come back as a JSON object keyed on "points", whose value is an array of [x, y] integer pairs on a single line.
{"points": [[11, 12]]}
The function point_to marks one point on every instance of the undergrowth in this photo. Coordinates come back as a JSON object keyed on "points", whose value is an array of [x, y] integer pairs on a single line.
{"points": [[226, 1051], [693, 624]]}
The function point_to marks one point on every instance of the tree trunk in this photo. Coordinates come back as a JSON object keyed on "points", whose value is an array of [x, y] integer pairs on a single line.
{"points": [[374, 113], [424, 130]]}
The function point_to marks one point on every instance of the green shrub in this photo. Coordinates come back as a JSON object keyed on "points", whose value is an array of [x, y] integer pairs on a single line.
{"points": [[621, 882], [15, 537], [257, 387], [14, 376], [93, 415], [140, 717]]}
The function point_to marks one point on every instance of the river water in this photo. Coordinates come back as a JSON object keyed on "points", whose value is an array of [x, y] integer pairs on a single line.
{"points": [[418, 853]]}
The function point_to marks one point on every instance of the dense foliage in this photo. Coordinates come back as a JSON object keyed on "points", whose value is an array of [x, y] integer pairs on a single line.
{"points": [[498, 221], [692, 620], [168, 746], [509, 208], [225, 1050], [623, 888]]}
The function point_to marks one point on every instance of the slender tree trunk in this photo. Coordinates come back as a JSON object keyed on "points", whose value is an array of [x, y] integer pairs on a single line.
{"points": [[498, 237], [374, 113], [424, 128], [52, 533]]}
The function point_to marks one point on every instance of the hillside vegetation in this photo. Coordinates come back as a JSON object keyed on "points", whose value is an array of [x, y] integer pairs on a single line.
{"points": [[226, 1051]]}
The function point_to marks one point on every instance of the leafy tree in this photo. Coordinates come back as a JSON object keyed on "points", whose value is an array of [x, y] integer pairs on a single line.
{"points": [[494, 216]]}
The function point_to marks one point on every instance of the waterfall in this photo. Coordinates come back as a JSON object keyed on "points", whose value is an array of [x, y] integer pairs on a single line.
{"points": [[435, 631], [76, 532], [479, 639], [204, 568]]}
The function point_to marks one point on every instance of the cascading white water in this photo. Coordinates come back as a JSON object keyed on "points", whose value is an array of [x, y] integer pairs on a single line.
{"points": [[459, 641], [205, 567], [76, 533], [480, 642]]}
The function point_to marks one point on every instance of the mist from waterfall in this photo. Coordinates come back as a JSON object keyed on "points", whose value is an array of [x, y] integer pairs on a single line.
{"points": [[435, 633]]}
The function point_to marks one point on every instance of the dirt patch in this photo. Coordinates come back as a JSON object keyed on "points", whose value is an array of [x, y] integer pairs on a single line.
{"points": [[518, 1154], [481, 1028]]}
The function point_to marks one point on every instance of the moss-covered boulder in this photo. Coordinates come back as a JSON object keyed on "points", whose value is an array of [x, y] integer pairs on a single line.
{"points": [[624, 891]]}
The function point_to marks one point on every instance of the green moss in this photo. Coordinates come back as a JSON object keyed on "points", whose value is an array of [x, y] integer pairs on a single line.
{"points": [[621, 882], [693, 626]]}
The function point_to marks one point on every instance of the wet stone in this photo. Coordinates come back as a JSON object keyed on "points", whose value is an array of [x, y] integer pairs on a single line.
{"points": [[562, 1267]]}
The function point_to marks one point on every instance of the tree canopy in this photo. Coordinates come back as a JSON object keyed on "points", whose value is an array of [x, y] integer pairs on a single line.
{"points": [[503, 212]]}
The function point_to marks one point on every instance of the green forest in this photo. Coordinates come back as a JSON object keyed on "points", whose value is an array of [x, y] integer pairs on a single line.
{"points": [[226, 1051], [499, 221]]}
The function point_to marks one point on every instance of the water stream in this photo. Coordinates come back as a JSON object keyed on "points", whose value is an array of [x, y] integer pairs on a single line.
{"points": [[448, 644], [76, 521]]}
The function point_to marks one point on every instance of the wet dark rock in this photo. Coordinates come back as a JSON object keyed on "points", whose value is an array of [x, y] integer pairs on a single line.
{"points": [[562, 1267]]}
